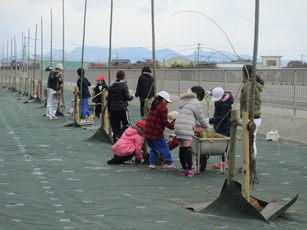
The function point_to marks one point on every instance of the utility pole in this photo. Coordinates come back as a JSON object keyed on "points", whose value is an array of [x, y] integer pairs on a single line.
{"points": [[198, 48], [153, 45]]}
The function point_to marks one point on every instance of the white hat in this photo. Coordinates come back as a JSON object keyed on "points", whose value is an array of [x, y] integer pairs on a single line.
{"points": [[217, 93], [165, 95], [59, 66]]}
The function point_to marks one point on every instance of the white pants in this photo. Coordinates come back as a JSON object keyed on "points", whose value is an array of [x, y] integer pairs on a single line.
{"points": [[52, 105], [257, 123]]}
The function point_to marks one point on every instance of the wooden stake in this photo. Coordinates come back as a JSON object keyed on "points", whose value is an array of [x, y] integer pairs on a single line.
{"points": [[232, 146], [245, 157], [105, 124], [76, 107]]}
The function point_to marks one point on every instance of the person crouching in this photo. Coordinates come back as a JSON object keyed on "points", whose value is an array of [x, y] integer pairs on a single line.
{"points": [[129, 145]]}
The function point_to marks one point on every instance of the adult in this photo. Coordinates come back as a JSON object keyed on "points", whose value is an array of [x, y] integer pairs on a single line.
{"points": [[145, 87], [55, 80], [118, 98], [245, 100]]}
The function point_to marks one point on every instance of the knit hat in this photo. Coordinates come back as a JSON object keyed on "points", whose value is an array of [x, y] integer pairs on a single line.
{"points": [[100, 78], [141, 124]]}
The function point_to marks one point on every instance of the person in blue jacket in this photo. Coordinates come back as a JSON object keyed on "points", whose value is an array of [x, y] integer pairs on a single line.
{"points": [[85, 94]]}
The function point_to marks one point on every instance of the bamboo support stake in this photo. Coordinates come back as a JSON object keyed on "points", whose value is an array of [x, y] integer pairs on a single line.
{"points": [[232, 145], [105, 124], [245, 158], [14, 83], [76, 107], [39, 86], [26, 86], [61, 102], [20, 84], [32, 88]]}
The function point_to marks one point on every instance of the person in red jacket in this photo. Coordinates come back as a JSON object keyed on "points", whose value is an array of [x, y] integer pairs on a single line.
{"points": [[155, 124], [129, 145]]}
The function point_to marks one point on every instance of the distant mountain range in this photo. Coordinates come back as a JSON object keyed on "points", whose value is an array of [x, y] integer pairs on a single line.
{"points": [[135, 54]]}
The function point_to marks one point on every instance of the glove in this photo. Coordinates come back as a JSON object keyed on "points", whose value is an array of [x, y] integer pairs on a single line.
{"points": [[207, 120], [209, 129]]}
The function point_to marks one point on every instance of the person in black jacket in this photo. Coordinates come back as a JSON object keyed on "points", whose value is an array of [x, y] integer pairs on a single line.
{"points": [[118, 98], [145, 87], [53, 86], [221, 119], [85, 113], [101, 85]]}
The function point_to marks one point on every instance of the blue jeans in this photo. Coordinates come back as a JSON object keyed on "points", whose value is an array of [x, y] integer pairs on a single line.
{"points": [[84, 110], [156, 146]]}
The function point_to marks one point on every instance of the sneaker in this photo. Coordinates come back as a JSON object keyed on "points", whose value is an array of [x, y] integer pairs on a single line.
{"points": [[184, 172], [55, 118], [218, 165], [170, 168], [91, 116], [96, 117], [191, 173], [151, 167], [83, 120], [129, 162], [50, 118]]}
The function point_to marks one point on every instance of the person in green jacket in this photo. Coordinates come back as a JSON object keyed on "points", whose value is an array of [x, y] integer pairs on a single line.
{"points": [[245, 100]]}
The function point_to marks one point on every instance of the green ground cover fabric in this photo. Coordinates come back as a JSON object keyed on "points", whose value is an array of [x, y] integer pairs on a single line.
{"points": [[51, 178]]}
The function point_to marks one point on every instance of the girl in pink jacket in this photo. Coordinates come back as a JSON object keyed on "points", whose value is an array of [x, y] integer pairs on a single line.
{"points": [[129, 145]]}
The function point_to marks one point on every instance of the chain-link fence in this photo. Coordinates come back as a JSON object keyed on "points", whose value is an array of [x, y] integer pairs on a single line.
{"points": [[284, 88]]}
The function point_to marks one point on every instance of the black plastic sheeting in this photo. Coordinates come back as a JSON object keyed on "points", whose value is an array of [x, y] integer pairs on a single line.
{"points": [[52, 178]]}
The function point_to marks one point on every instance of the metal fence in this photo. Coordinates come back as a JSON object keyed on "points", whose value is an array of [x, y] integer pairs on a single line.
{"points": [[284, 88]]}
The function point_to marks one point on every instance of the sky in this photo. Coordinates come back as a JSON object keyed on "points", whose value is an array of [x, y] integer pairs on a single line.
{"points": [[180, 25]]}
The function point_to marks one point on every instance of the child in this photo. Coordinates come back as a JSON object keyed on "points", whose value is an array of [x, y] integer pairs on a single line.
{"points": [[118, 98], [245, 101], [101, 85], [85, 113], [145, 87], [129, 145], [190, 112], [222, 112], [155, 124]]}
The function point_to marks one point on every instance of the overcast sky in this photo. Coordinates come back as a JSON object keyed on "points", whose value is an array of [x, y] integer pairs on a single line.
{"points": [[282, 29]]}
